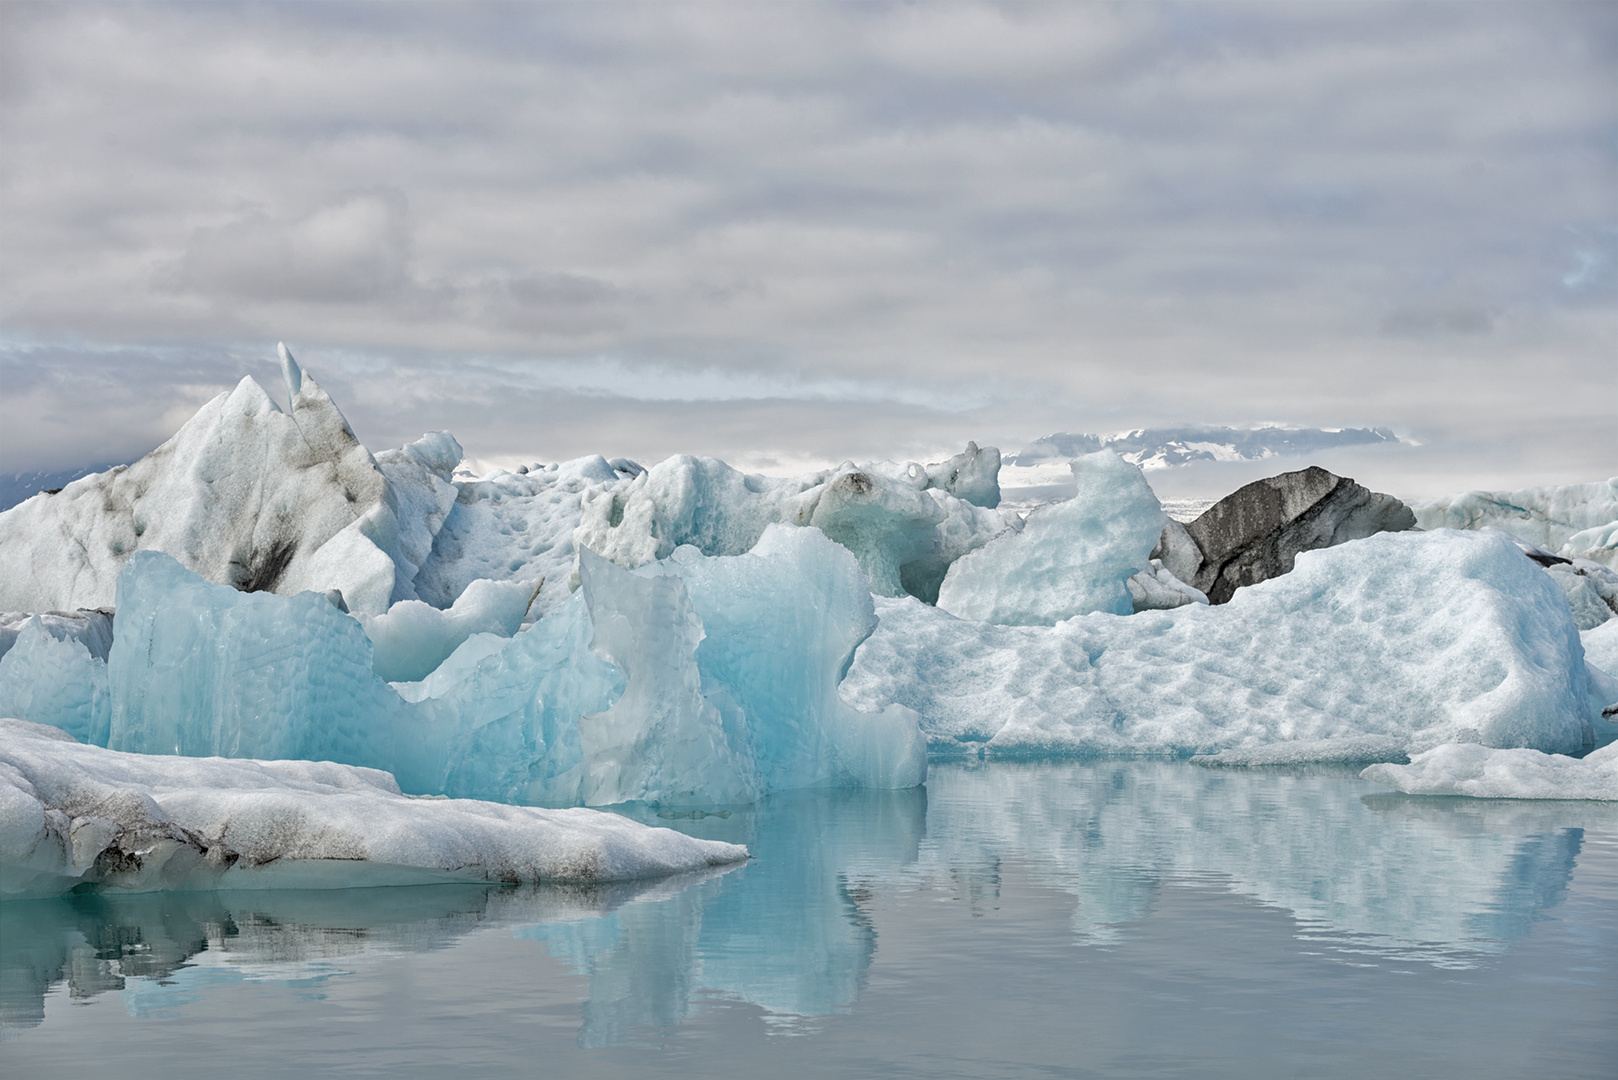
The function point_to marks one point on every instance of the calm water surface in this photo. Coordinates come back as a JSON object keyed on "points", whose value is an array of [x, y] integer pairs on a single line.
{"points": [[1100, 919]]}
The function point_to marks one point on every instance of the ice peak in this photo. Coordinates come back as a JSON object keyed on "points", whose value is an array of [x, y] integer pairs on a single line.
{"points": [[290, 371]]}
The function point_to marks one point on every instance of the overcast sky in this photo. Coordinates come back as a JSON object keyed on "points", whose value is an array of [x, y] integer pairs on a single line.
{"points": [[788, 234]]}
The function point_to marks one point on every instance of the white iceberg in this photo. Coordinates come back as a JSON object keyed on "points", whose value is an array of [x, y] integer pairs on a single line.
{"points": [[1601, 646], [1071, 558], [1423, 638], [901, 522], [515, 526], [72, 815], [1577, 521], [1591, 590], [1482, 772], [243, 494], [92, 627]]}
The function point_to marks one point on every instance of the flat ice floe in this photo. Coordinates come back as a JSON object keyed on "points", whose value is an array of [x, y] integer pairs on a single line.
{"points": [[1415, 638], [72, 815], [1484, 773]]}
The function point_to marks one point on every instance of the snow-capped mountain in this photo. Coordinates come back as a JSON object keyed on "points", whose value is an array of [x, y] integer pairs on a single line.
{"points": [[1165, 448]]}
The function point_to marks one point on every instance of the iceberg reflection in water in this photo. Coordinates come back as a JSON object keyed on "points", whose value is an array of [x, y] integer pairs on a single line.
{"points": [[1019, 916]]}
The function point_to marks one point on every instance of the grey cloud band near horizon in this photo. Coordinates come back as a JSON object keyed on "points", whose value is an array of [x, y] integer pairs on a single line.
{"points": [[815, 231]]}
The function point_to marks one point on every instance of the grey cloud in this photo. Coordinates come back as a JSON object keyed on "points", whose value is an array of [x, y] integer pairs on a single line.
{"points": [[1137, 213], [355, 248]]}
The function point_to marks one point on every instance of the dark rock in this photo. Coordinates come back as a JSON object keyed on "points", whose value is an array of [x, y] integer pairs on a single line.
{"points": [[1256, 532]]}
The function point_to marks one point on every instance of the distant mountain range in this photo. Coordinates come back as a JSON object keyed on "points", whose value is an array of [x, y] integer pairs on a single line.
{"points": [[1166, 448]]}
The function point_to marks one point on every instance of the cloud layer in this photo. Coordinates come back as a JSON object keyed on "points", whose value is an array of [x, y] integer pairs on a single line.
{"points": [[807, 231]]}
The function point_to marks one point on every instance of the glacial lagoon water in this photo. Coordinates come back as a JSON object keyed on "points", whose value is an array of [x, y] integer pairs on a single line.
{"points": [[1113, 918]]}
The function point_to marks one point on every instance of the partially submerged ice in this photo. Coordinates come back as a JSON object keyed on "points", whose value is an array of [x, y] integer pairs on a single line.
{"points": [[1481, 772], [1071, 558], [695, 681], [1420, 638], [73, 816]]}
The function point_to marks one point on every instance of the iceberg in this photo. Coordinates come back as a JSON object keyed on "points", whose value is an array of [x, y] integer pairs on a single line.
{"points": [[56, 680], [203, 670], [1577, 521], [730, 667], [1422, 638], [901, 522], [1482, 772], [782, 624], [695, 681], [1591, 590], [515, 526], [1070, 558], [1601, 646], [244, 494], [1156, 589], [74, 816]]}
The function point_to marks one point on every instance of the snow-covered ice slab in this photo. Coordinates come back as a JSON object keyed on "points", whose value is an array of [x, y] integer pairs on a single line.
{"points": [[1421, 638], [1577, 521], [1071, 557], [1484, 773], [72, 814]]}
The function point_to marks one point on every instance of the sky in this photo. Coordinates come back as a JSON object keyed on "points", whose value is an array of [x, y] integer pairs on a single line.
{"points": [[790, 234]]}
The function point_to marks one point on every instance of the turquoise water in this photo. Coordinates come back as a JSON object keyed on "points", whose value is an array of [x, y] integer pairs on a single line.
{"points": [[1102, 919]]}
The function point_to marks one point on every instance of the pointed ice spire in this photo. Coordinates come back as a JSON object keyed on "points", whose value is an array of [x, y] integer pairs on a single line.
{"points": [[290, 371]]}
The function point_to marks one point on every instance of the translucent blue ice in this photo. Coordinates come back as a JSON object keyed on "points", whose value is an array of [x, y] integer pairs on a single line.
{"points": [[700, 681], [46, 679]]}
